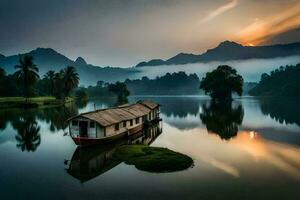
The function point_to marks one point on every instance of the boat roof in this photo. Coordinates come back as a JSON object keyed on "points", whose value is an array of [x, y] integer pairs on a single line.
{"points": [[110, 116]]}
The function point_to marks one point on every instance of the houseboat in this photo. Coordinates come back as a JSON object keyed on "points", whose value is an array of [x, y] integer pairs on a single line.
{"points": [[106, 125], [88, 163]]}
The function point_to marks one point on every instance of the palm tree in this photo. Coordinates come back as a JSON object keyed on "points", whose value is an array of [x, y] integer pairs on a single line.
{"points": [[70, 79], [27, 73], [50, 75]]}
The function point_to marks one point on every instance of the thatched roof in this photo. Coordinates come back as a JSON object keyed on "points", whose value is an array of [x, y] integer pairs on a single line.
{"points": [[109, 116]]}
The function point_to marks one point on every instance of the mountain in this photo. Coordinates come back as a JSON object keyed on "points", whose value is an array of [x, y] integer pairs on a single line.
{"points": [[48, 59], [80, 61], [227, 51]]}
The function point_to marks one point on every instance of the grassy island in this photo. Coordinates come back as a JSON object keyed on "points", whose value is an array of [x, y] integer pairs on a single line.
{"points": [[152, 159], [19, 102]]}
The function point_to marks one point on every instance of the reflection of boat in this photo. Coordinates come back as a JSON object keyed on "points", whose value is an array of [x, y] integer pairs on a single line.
{"points": [[90, 162], [107, 125]]}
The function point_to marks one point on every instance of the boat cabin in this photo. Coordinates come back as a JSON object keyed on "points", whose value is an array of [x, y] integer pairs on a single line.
{"points": [[104, 123]]}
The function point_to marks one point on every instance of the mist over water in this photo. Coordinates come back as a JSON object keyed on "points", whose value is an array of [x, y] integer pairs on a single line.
{"points": [[251, 70]]}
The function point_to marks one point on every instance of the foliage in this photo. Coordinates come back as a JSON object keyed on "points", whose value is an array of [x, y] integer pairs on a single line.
{"points": [[152, 159], [81, 94], [27, 73], [280, 82], [222, 82], [70, 80], [120, 89], [222, 118], [169, 84], [25, 81], [100, 90]]}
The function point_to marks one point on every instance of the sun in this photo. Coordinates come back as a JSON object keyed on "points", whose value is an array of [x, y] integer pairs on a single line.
{"points": [[250, 44]]}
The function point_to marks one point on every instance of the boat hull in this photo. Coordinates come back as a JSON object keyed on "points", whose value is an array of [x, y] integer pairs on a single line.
{"points": [[85, 141]]}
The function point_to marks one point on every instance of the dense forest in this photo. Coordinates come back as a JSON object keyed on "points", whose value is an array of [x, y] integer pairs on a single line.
{"points": [[281, 82], [102, 90], [170, 84]]}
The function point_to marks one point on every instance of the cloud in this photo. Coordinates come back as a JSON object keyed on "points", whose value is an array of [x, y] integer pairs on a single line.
{"points": [[220, 10], [261, 31]]}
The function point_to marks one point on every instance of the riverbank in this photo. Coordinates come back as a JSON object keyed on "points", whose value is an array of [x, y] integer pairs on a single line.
{"points": [[21, 102]]}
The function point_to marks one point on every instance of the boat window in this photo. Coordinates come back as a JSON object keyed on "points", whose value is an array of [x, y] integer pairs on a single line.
{"points": [[117, 127], [74, 123], [124, 124], [137, 120], [92, 124], [131, 122]]}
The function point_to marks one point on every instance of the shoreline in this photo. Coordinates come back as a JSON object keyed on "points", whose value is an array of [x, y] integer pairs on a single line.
{"points": [[33, 102]]}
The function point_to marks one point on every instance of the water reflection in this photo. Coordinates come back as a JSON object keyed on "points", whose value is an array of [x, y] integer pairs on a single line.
{"points": [[282, 110], [222, 118], [28, 136], [88, 163], [27, 124], [57, 116], [178, 106]]}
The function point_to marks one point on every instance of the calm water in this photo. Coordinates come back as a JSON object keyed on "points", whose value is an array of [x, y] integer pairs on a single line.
{"points": [[247, 150]]}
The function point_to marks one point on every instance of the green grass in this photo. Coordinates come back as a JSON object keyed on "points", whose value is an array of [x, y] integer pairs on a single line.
{"points": [[152, 159], [16, 102]]}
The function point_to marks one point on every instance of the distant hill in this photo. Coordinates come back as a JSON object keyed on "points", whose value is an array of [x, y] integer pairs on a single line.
{"points": [[281, 82], [227, 51], [48, 59]]}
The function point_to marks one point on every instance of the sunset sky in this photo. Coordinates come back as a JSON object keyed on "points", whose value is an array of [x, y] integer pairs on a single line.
{"points": [[125, 32]]}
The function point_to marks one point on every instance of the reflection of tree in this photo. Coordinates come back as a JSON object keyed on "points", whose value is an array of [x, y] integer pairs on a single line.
{"points": [[121, 101], [28, 137], [57, 116], [178, 106], [222, 118], [81, 103], [282, 110]]}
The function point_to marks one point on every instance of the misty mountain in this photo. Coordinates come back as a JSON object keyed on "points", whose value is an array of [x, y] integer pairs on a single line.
{"points": [[48, 59], [228, 51]]}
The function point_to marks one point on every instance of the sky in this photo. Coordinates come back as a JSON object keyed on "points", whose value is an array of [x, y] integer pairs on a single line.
{"points": [[122, 33]]}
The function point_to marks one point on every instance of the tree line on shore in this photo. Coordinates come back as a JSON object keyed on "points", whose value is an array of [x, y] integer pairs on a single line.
{"points": [[283, 81], [27, 82]]}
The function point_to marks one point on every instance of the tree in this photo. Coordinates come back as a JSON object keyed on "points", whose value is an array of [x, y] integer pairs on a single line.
{"points": [[120, 89], [27, 73], [58, 84], [2, 81], [81, 94], [70, 80], [221, 83], [50, 75], [100, 83]]}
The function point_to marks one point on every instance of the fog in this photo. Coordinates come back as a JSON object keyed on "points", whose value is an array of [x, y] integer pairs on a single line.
{"points": [[251, 70]]}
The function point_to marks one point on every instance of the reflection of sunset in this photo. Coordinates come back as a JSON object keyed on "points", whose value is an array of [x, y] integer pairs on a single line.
{"points": [[282, 156], [245, 150]]}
